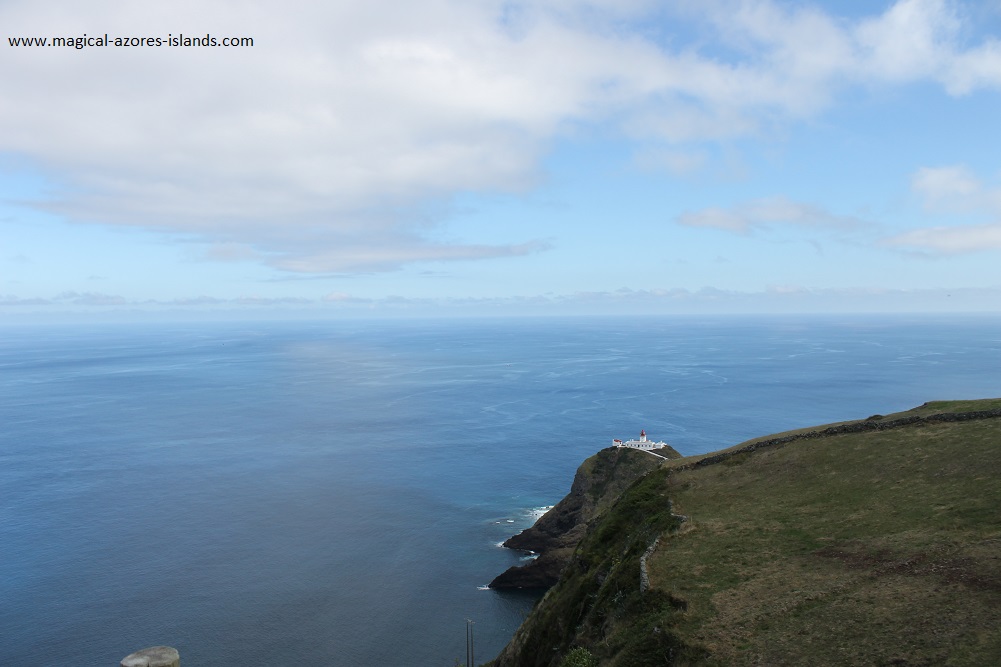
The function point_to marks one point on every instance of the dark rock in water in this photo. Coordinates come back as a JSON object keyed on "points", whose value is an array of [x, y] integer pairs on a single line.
{"points": [[598, 482], [542, 572]]}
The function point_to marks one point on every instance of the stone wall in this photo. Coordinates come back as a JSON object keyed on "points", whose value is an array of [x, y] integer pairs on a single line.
{"points": [[863, 426]]}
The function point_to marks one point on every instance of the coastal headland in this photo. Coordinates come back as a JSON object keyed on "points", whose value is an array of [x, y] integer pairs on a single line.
{"points": [[873, 541]]}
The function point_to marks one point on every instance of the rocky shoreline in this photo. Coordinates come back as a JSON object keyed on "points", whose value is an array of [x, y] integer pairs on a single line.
{"points": [[599, 480]]}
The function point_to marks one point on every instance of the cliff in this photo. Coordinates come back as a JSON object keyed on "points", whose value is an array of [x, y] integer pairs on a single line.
{"points": [[875, 541], [599, 481]]}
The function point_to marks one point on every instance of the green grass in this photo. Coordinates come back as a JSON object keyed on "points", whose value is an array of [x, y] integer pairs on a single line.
{"points": [[612, 471], [926, 410], [938, 407], [851, 549]]}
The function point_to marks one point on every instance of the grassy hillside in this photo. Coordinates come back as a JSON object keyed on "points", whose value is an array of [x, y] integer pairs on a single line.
{"points": [[880, 546]]}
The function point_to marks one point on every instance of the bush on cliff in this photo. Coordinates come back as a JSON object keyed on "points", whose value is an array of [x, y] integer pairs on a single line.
{"points": [[579, 657]]}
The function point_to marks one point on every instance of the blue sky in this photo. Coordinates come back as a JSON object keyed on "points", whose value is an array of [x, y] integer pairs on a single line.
{"points": [[449, 157]]}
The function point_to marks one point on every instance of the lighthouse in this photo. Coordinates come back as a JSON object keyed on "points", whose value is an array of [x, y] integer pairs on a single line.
{"points": [[642, 443]]}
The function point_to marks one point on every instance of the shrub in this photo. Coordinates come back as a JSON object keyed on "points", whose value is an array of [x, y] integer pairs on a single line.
{"points": [[579, 657]]}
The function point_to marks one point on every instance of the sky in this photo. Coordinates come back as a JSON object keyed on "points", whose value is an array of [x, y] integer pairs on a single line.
{"points": [[492, 157]]}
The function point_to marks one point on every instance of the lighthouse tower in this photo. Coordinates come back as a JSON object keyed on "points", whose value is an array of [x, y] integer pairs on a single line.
{"points": [[642, 443]]}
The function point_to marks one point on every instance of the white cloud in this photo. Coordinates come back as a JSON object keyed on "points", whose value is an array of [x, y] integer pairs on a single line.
{"points": [[368, 257], [89, 299], [951, 240], [317, 149], [953, 190], [12, 300], [910, 39], [321, 148], [939, 184], [336, 297], [765, 213], [919, 39], [679, 163], [716, 218], [956, 189], [270, 301]]}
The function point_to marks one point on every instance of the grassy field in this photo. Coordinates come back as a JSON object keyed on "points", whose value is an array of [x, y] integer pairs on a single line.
{"points": [[879, 548]]}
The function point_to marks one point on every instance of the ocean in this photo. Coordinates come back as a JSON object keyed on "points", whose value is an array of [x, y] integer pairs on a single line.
{"points": [[334, 492]]}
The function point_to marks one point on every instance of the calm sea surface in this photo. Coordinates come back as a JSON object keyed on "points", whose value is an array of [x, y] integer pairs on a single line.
{"points": [[280, 494]]}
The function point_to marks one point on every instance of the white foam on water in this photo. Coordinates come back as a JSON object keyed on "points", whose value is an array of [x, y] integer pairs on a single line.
{"points": [[536, 512]]}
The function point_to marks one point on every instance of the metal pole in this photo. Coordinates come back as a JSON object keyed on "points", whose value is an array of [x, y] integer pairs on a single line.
{"points": [[469, 657], [472, 649]]}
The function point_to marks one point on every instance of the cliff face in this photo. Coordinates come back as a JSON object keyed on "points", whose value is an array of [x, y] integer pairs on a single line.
{"points": [[868, 542], [599, 481]]}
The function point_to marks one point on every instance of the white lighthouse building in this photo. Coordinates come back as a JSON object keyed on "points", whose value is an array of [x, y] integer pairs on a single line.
{"points": [[642, 443]]}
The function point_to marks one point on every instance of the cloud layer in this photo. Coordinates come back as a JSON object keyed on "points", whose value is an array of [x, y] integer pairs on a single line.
{"points": [[708, 300], [332, 144]]}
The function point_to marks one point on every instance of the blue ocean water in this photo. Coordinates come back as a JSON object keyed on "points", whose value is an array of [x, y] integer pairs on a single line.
{"points": [[333, 493]]}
